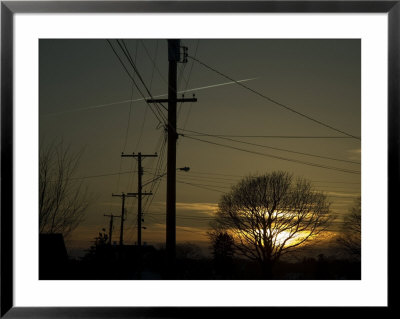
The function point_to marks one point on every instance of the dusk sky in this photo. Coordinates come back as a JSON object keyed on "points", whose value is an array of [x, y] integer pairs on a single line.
{"points": [[88, 101]]}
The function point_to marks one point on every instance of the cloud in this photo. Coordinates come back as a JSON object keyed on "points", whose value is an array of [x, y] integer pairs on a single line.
{"points": [[342, 194], [343, 203], [197, 208], [207, 208], [355, 154]]}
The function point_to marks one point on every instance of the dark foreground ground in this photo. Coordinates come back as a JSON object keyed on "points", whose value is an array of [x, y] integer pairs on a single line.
{"points": [[148, 263]]}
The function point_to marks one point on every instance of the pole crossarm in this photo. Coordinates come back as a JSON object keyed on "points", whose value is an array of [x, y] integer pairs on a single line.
{"points": [[111, 226], [138, 155], [139, 193], [182, 100], [113, 216], [136, 194], [123, 195]]}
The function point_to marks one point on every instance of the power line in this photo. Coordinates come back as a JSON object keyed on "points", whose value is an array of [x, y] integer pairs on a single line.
{"points": [[159, 148], [214, 173], [134, 225], [158, 145], [126, 134], [338, 187], [141, 129], [153, 61], [213, 179], [129, 121], [154, 66], [204, 186], [100, 175], [198, 175], [227, 184], [174, 89], [275, 136], [273, 148], [156, 182], [191, 173], [195, 185], [335, 182], [133, 81], [151, 84], [181, 77], [274, 101], [278, 157], [207, 185], [213, 182], [93, 107], [132, 63], [125, 50], [241, 176]]}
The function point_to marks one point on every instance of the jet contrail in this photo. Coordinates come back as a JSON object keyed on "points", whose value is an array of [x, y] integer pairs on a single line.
{"points": [[141, 99], [214, 85]]}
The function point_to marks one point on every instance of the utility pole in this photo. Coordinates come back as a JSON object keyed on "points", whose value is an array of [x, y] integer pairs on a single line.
{"points": [[139, 194], [111, 226], [174, 56], [121, 234]]}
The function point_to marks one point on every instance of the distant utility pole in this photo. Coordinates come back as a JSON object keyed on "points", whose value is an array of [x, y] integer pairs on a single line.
{"points": [[174, 56], [139, 194], [111, 226], [121, 234]]}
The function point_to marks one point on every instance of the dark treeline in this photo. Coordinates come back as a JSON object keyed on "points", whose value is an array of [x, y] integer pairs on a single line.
{"points": [[107, 262]]}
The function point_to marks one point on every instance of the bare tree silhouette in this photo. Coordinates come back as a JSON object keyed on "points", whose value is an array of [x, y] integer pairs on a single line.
{"points": [[62, 201], [350, 239], [271, 215]]}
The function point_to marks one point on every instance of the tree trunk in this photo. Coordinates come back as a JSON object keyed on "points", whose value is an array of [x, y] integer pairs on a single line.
{"points": [[267, 269]]}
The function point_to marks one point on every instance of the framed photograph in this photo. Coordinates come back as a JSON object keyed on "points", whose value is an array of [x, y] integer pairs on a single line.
{"points": [[173, 158]]}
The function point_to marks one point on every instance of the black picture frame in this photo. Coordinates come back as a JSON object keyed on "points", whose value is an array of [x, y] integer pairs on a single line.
{"points": [[9, 8]]}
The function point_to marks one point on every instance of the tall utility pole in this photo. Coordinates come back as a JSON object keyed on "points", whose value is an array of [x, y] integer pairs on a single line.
{"points": [[121, 234], [174, 56], [139, 194], [111, 226]]}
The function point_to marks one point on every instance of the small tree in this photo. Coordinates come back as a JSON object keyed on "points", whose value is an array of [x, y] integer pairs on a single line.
{"points": [[62, 201], [223, 251], [350, 238], [271, 215], [188, 250], [100, 250]]}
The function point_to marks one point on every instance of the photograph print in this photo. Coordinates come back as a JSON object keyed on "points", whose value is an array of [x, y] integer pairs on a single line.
{"points": [[199, 159]]}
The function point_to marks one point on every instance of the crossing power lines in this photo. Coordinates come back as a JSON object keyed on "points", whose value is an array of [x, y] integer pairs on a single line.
{"points": [[285, 106], [120, 49]]}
